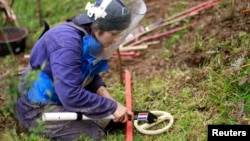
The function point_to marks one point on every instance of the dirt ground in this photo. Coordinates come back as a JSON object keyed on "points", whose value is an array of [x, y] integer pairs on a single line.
{"points": [[151, 62], [215, 22]]}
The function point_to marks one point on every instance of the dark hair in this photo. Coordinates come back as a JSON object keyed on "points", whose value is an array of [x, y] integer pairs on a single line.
{"points": [[95, 26]]}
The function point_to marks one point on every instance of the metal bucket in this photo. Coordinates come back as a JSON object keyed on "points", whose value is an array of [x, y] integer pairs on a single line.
{"points": [[12, 39]]}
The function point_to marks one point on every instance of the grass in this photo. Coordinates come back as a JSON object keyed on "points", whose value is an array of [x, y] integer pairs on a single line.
{"points": [[216, 92]]}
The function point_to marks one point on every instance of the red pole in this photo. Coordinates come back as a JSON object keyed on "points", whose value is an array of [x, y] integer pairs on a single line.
{"points": [[128, 91]]}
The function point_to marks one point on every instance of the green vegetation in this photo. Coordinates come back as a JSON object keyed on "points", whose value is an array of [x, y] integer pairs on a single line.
{"points": [[216, 91]]}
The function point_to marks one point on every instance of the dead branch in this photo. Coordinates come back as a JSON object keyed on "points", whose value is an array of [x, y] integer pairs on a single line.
{"points": [[244, 66], [120, 66], [8, 13], [3, 75], [131, 48], [39, 9]]}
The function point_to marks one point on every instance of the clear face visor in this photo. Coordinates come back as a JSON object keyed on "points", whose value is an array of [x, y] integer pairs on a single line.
{"points": [[137, 10]]}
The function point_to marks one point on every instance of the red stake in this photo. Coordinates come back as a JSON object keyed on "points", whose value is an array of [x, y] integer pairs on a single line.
{"points": [[128, 91], [161, 34]]}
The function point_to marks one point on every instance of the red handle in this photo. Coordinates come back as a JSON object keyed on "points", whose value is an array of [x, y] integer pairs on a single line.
{"points": [[128, 91]]}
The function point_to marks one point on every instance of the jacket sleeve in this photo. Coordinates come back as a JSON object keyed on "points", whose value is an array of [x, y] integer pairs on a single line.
{"points": [[96, 83]]}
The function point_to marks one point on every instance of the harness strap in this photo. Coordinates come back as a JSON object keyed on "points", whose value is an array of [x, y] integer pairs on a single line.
{"points": [[46, 28], [77, 27]]}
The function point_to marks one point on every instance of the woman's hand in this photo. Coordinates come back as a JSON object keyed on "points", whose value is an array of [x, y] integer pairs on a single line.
{"points": [[122, 114]]}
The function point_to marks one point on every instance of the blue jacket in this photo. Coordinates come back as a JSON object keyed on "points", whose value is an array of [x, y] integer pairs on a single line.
{"points": [[61, 49]]}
